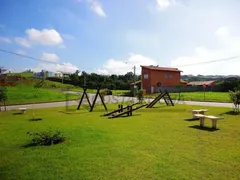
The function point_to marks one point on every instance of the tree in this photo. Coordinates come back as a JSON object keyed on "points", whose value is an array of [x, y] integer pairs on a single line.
{"points": [[3, 97], [230, 84], [235, 98], [140, 95]]}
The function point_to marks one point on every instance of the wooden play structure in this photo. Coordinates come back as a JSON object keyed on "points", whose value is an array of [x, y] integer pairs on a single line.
{"points": [[165, 95], [127, 110], [94, 101]]}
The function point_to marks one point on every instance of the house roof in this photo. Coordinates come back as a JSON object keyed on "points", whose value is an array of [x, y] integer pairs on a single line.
{"points": [[182, 81], [200, 83], [157, 68], [137, 82]]}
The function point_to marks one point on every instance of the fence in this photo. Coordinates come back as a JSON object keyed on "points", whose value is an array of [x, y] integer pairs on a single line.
{"points": [[192, 89]]}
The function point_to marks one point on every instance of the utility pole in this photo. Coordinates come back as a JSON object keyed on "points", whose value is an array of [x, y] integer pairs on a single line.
{"points": [[84, 81], [134, 85], [134, 73]]}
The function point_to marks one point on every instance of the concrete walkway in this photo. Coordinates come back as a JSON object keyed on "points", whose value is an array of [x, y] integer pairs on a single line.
{"points": [[114, 99]]}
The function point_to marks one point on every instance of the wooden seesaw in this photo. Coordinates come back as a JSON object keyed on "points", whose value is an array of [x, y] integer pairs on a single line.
{"points": [[120, 111]]}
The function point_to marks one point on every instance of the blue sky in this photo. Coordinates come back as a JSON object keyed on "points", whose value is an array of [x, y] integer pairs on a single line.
{"points": [[106, 36]]}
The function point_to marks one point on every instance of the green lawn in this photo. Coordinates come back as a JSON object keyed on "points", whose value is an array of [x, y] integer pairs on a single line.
{"points": [[199, 96], [158, 143]]}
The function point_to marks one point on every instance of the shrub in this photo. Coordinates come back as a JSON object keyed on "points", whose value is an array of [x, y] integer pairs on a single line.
{"points": [[3, 96], [235, 98], [103, 93], [46, 138], [140, 95]]}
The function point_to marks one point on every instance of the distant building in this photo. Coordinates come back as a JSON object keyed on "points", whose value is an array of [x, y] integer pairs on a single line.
{"points": [[153, 75], [201, 83]]}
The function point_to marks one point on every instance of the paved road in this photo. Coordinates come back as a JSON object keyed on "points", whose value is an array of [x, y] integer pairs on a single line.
{"points": [[114, 99]]}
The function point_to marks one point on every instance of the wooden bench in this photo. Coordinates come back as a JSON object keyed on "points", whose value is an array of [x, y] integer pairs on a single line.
{"points": [[213, 118], [23, 110], [199, 111]]}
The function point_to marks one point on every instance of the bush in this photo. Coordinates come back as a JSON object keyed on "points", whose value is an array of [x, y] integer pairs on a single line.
{"points": [[140, 95], [235, 98], [3, 96], [46, 138]]}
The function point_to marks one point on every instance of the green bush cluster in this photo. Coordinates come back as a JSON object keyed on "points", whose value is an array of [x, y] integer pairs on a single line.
{"points": [[235, 98], [46, 138], [140, 95]]}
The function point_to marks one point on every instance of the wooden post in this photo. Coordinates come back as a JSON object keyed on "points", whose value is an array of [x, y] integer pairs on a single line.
{"points": [[119, 106], [130, 110]]}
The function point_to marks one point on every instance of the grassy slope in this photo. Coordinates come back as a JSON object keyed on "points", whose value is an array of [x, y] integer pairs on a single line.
{"points": [[26, 95], [24, 92], [156, 143], [199, 96]]}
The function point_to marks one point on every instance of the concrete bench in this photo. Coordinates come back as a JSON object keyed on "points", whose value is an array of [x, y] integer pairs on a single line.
{"points": [[23, 110], [198, 111], [213, 118]]}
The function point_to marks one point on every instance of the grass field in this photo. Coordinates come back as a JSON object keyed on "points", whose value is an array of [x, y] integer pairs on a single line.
{"points": [[199, 96], [24, 92], [27, 94], [158, 143]]}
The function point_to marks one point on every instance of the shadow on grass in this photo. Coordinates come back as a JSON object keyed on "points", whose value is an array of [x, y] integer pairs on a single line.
{"points": [[17, 113], [192, 119], [34, 145], [36, 119], [203, 128], [125, 116], [230, 113]]}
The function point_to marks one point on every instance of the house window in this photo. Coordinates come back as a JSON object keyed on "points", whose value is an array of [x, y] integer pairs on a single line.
{"points": [[170, 76], [165, 75], [145, 76]]}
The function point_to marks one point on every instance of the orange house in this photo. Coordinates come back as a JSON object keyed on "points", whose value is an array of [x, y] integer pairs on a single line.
{"points": [[152, 75]]}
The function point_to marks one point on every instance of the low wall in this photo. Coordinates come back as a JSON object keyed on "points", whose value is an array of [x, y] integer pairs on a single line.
{"points": [[191, 89]]}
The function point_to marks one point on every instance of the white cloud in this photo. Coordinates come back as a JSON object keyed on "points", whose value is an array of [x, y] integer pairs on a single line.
{"points": [[164, 4], [113, 66], [228, 46], [20, 52], [64, 67], [5, 40], [53, 65], [50, 57], [49, 37], [23, 42], [96, 7], [222, 31]]}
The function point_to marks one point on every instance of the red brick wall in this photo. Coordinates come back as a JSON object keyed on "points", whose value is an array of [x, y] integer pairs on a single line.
{"points": [[159, 76], [146, 82]]}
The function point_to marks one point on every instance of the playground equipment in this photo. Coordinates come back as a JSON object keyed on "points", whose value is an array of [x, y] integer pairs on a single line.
{"points": [[165, 96], [120, 111], [94, 101]]}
